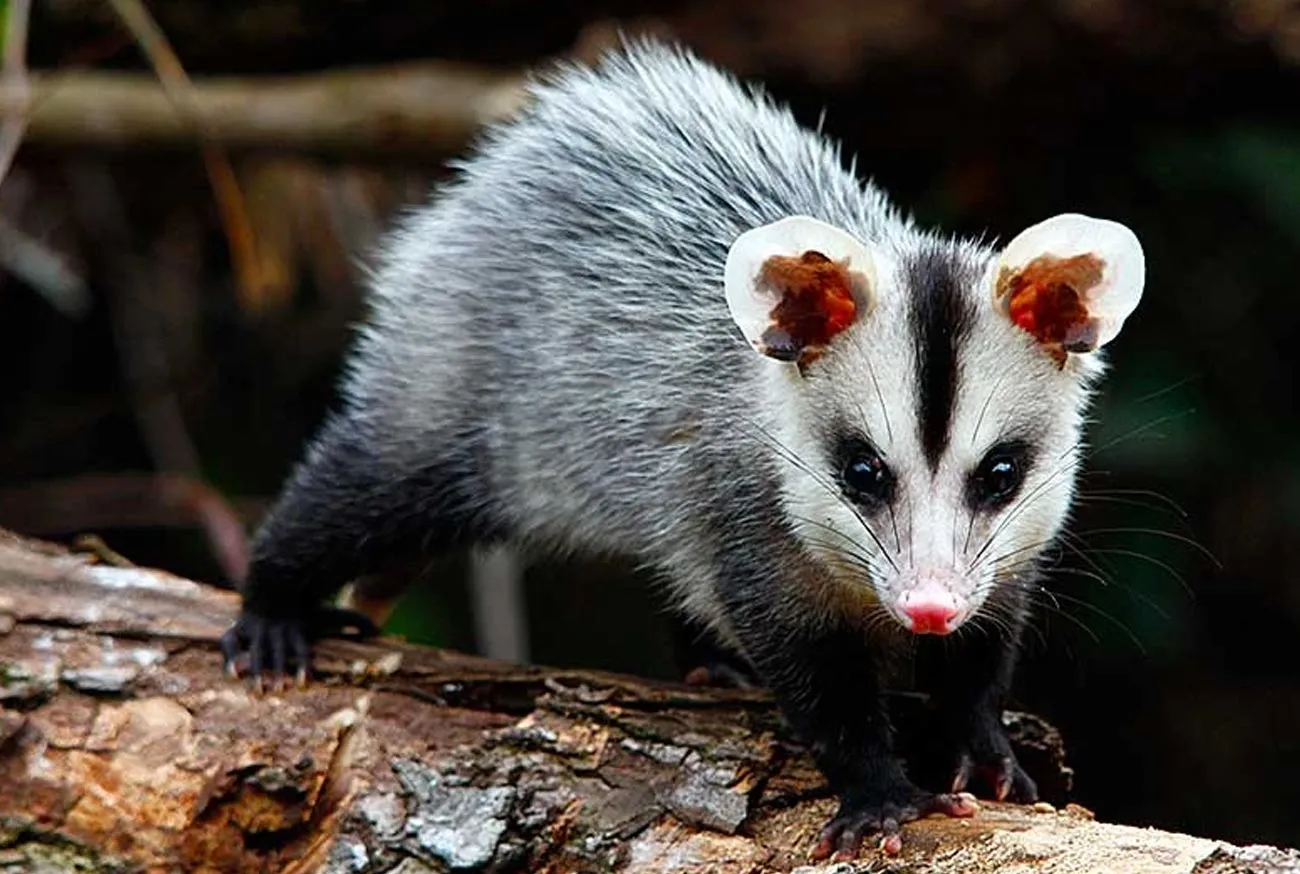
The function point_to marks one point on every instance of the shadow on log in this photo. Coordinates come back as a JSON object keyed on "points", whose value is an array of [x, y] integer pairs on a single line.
{"points": [[122, 747]]}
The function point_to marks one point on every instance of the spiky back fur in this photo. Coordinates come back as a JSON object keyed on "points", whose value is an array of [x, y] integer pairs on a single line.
{"points": [[557, 313]]}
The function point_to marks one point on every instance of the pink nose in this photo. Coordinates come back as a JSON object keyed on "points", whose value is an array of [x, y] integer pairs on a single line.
{"points": [[929, 613]]}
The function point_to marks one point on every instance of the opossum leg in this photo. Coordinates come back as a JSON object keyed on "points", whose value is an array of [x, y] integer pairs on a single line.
{"points": [[375, 595], [976, 678], [705, 661], [823, 675], [348, 510]]}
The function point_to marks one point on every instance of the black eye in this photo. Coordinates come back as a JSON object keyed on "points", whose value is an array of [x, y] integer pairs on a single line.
{"points": [[998, 477], [867, 477]]}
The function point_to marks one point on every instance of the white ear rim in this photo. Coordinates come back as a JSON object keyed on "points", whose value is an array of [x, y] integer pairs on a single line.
{"points": [[1115, 297], [791, 236]]}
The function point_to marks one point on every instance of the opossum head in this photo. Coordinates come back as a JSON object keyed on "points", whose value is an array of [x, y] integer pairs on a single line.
{"points": [[925, 398]]}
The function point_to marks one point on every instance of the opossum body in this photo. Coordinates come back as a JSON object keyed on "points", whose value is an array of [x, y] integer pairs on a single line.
{"points": [[653, 316]]}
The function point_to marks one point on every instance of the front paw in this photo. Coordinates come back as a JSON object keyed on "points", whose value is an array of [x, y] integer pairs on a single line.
{"points": [[987, 763], [267, 647], [869, 810], [275, 646]]}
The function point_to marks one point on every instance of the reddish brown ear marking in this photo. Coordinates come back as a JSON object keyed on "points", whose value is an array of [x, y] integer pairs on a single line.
{"points": [[1045, 298], [814, 303]]}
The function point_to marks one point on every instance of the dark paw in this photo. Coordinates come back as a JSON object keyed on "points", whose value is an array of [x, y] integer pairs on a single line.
{"points": [[704, 661], [722, 675], [883, 815], [280, 647], [998, 775]]}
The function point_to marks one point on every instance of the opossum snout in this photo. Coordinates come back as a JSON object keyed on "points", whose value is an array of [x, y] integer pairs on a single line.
{"points": [[932, 602]]}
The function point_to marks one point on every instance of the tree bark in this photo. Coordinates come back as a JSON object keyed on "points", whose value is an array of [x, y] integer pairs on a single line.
{"points": [[122, 747]]}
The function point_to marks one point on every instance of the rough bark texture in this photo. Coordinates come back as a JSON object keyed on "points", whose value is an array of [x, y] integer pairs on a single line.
{"points": [[122, 747]]}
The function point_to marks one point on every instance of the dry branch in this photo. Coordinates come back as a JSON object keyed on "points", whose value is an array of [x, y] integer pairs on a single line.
{"points": [[225, 188], [426, 108], [122, 748], [14, 78]]}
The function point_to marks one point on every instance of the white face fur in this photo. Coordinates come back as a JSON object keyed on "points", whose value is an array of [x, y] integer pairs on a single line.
{"points": [[933, 394]]}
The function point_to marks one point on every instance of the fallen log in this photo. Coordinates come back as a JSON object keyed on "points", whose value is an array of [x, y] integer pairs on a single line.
{"points": [[122, 747]]}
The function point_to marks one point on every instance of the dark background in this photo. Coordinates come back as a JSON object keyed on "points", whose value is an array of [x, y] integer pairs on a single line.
{"points": [[1173, 675]]}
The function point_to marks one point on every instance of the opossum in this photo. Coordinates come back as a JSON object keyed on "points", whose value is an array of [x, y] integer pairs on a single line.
{"points": [[654, 316]]}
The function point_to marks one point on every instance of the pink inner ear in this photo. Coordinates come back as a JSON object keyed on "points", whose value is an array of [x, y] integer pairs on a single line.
{"points": [[814, 303], [1047, 298]]}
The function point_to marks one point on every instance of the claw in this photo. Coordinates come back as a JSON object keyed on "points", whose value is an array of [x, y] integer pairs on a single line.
{"points": [[823, 848], [230, 650], [844, 835], [278, 650], [275, 651], [1000, 773]]}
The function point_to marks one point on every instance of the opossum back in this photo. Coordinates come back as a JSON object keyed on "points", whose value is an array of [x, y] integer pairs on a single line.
{"points": [[561, 301]]}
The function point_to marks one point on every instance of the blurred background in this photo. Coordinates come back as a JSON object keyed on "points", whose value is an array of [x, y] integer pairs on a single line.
{"points": [[183, 232]]}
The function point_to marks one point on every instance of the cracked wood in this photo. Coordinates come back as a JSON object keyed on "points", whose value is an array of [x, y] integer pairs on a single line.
{"points": [[122, 747]]}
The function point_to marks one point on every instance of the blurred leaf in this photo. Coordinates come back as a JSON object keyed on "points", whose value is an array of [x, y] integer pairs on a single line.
{"points": [[1261, 163]]}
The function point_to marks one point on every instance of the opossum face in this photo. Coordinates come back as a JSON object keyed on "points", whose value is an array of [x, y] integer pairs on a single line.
{"points": [[926, 398]]}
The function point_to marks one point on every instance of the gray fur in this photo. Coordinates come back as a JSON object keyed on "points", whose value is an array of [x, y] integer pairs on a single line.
{"points": [[551, 358], [558, 309]]}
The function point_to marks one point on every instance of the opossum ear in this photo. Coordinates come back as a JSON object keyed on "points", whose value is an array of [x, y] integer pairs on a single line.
{"points": [[1071, 281], [795, 284]]}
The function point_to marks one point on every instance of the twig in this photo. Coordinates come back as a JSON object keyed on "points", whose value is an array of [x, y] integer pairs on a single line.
{"points": [[15, 82], [128, 283], [44, 270], [425, 109], [225, 186], [100, 502], [147, 373]]}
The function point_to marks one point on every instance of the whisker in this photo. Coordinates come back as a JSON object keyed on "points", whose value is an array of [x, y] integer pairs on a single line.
{"points": [[1018, 508], [1105, 615], [1141, 556], [1071, 449], [1041, 544], [838, 552], [884, 411], [1168, 502], [1144, 600], [1075, 619], [1142, 429], [1157, 532], [911, 532], [1042, 598], [1077, 545], [970, 529], [1091, 498], [974, 437], [893, 521], [775, 445], [1160, 392]]}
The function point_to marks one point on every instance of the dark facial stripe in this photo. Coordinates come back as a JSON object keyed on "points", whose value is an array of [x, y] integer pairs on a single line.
{"points": [[941, 318]]}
